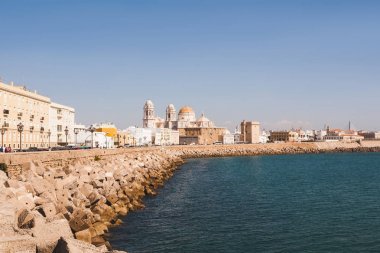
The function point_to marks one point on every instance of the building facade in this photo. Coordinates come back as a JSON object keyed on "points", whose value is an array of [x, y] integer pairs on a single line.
{"points": [[61, 122], [20, 106], [250, 132]]}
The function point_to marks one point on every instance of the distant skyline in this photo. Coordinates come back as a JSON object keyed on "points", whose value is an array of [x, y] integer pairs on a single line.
{"points": [[295, 63]]}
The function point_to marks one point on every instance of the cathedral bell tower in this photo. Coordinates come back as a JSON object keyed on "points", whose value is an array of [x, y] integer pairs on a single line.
{"points": [[149, 117], [171, 117]]}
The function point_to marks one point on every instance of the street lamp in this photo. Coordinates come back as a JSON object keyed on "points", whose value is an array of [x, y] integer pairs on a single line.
{"points": [[49, 133], [20, 128], [66, 133], [76, 132], [118, 140], [3, 130], [92, 130], [124, 139], [42, 136]]}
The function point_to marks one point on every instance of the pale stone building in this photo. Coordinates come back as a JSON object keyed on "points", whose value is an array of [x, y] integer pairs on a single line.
{"points": [[20, 106], [165, 136], [250, 131]]}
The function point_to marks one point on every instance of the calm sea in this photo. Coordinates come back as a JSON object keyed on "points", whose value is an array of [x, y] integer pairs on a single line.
{"points": [[288, 203]]}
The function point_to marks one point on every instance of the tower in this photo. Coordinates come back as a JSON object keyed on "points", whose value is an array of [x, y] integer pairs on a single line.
{"points": [[171, 117], [149, 118]]}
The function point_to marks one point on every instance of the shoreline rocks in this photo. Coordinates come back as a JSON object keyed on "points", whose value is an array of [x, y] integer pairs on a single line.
{"points": [[49, 209], [46, 207]]}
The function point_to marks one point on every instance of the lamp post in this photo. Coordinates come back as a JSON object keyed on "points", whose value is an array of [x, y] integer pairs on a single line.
{"points": [[106, 140], [20, 128], [92, 130], [49, 133], [124, 140], [118, 140], [76, 132], [66, 133], [42, 136], [3, 130]]}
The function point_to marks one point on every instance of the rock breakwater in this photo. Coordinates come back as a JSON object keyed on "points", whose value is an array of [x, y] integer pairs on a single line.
{"points": [[69, 208]]}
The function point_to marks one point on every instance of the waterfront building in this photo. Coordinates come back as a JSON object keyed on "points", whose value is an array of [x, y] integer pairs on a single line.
{"points": [[293, 136], [264, 137], [138, 136], [108, 128], [370, 135], [320, 134], [44, 122], [237, 135], [306, 135], [279, 136], [342, 135], [84, 137], [228, 138], [165, 136], [250, 131], [61, 122]]}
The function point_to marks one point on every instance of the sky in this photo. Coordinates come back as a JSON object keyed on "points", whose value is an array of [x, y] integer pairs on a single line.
{"points": [[288, 64]]}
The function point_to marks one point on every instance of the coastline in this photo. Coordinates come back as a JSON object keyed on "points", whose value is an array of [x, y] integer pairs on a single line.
{"points": [[65, 201]]}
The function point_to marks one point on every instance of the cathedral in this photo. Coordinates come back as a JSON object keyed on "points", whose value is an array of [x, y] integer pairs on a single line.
{"points": [[191, 130], [186, 118]]}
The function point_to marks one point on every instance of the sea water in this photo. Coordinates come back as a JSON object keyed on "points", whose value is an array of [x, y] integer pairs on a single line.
{"points": [[284, 203]]}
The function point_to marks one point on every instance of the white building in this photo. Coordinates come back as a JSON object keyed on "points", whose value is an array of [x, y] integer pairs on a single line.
{"points": [[61, 121], [320, 134], [139, 136], [264, 137], [96, 139], [228, 138], [306, 135]]}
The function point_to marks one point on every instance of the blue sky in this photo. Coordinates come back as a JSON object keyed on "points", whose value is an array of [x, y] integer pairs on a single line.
{"points": [[295, 63]]}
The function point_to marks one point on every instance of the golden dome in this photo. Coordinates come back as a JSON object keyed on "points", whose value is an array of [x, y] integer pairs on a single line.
{"points": [[186, 109]]}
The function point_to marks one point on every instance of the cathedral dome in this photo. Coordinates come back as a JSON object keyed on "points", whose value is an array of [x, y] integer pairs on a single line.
{"points": [[204, 122], [203, 119], [186, 109], [149, 104]]}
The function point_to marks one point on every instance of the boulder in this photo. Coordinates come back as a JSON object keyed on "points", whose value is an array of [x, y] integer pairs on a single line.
{"points": [[47, 234], [49, 210], [84, 235], [69, 245], [25, 219], [18, 243], [80, 220], [7, 219]]}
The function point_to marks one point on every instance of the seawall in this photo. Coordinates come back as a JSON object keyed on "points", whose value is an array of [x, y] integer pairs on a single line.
{"points": [[65, 201]]}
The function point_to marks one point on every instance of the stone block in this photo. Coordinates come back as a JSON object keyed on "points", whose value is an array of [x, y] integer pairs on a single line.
{"points": [[49, 210], [80, 220], [21, 244], [48, 234], [25, 219], [69, 245], [84, 235]]}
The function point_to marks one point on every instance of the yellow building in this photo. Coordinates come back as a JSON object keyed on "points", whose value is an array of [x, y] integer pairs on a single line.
{"points": [[108, 128]]}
